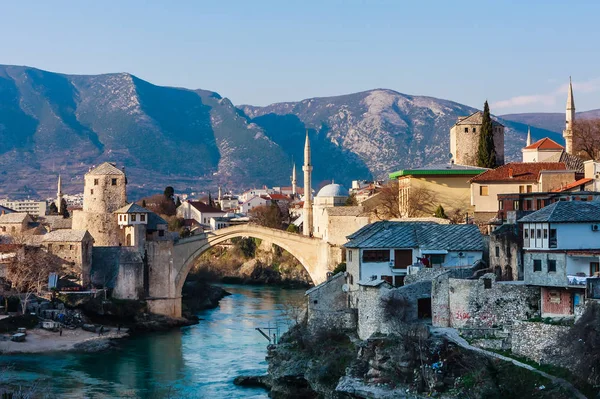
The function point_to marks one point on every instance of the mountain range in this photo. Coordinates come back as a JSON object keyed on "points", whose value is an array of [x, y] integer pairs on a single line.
{"points": [[196, 140]]}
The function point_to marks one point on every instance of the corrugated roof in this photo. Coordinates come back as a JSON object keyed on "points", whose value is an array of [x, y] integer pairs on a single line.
{"points": [[107, 168], [545, 144], [566, 212], [517, 171], [424, 235], [132, 208], [66, 236]]}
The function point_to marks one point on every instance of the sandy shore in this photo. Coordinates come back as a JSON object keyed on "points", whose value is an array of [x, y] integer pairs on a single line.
{"points": [[39, 340]]}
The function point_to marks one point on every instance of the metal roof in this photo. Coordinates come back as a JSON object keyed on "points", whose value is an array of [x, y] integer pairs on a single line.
{"points": [[566, 212], [423, 235]]}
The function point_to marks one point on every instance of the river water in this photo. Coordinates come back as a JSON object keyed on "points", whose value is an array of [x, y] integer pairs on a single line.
{"points": [[199, 361]]}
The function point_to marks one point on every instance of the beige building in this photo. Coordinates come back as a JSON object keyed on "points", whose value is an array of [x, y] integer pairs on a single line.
{"points": [[422, 190], [464, 139], [74, 247], [330, 196], [104, 193], [35, 208], [544, 150], [14, 223]]}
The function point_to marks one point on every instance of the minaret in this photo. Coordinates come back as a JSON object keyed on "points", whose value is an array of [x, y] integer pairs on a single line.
{"points": [[59, 195], [568, 132], [294, 180], [220, 195], [528, 143], [308, 209]]}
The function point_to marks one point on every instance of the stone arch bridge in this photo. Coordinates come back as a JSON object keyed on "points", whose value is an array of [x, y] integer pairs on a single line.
{"points": [[314, 254]]}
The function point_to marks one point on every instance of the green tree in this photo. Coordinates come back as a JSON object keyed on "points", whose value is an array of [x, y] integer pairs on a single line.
{"points": [[169, 192], [178, 202], [351, 200], [52, 209], [440, 213], [63, 209], [143, 203], [486, 152], [292, 228]]}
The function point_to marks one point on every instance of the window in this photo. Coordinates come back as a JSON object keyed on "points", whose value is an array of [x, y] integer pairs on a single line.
{"points": [[436, 259], [161, 233], [133, 217], [521, 189], [95, 182], [61, 247], [529, 188], [516, 205], [113, 182], [487, 283], [526, 233], [545, 234], [537, 265], [483, 191], [4, 229], [142, 218], [71, 247], [466, 130], [92, 191], [553, 242], [594, 268], [551, 265], [376, 255], [528, 205], [350, 255], [540, 204], [497, 251], [474, 130], [539, 233], [500, 205]]}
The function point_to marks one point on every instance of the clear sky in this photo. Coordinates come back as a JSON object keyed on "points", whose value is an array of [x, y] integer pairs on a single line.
{"points": [[516, 54]]}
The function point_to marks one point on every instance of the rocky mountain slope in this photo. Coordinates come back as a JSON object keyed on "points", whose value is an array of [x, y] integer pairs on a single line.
{"points": [[194, 140], [553, 121]]}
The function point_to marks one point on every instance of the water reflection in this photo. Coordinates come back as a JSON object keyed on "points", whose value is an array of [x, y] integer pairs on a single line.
{"points": [[195, 362]]}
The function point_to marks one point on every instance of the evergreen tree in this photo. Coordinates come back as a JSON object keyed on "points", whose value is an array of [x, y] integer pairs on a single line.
{"points": [[63, 209], [52, 209], [169, 192], [440, 213], [178, 202], [143, 203], [486, 152]]}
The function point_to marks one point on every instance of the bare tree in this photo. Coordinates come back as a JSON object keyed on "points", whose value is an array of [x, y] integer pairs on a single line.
{"points": [[29, 270], [420, 202], [268, 216], [387, 202], [586, 138]]}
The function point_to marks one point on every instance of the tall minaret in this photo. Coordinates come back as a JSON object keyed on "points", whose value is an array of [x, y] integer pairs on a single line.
{"points": [[294, 180], [528, 143], [220, 192], [59, 195], [568, 132], [308, 209]]}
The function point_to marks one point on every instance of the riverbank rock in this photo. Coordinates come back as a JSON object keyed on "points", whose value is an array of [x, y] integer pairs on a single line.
{"points": [[151, 323], [95, 345], [261, 381], [198, 295]]}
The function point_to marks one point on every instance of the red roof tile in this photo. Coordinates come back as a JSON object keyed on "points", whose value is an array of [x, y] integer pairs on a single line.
{"points": [[279, 197], [517, 171], [545, 144], [573, 185]]}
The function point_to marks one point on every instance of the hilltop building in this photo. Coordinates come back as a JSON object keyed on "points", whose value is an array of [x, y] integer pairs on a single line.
{"points": [[464, 139]]}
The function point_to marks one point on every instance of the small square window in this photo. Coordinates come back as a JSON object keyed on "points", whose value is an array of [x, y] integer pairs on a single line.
{"points": [[161, 233], [142, 218], [497, 251], [539, 233], [545, 233], [537, 265], [483, 191], [61, 247], [92, 191], [133, 217], [95, 182], [113, 182], [526, 233], [551, 265], [466, 130]]}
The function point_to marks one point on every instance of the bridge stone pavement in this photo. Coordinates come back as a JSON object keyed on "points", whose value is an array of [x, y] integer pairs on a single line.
{"points": [[313, 253]]}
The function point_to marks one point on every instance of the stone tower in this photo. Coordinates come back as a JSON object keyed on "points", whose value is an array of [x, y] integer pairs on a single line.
{"points": [[104, 193], [59, 196], [568, 132], [464, 139], [294, 180], [307, 226]]}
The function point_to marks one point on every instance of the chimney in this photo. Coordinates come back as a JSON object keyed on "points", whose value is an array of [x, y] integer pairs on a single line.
{"points": [[510, 173]]}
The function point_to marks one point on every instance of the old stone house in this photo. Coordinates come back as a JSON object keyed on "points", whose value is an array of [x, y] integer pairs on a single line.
{"points": [[74, 247], [14, 223]]}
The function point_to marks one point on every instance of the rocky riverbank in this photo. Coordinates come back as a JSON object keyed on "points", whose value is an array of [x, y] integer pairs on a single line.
{"points": [[336, 365]]}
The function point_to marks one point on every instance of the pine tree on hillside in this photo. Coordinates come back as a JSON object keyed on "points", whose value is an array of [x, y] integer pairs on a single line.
{"points": [[486, 152]]}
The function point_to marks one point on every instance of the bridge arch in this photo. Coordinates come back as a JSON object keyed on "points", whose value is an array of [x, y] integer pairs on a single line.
{"points": [[308, 251]]}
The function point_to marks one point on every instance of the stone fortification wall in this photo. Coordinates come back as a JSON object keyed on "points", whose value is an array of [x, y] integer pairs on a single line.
{"points": [[327, 305], [102, 226], [160, 268], [481, 303], [431, 273], [119, 268], [538, 342], [464, 145]]}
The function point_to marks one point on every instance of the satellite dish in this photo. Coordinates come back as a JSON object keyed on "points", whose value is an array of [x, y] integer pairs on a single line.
{"points": [[345, 288], [460, 254]]}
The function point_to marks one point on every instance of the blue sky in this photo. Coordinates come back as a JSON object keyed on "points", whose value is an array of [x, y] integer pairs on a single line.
{"points": [[516, 54]]}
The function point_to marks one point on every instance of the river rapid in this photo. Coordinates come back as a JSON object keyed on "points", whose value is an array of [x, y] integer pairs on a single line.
{"points": [[198, 361]]}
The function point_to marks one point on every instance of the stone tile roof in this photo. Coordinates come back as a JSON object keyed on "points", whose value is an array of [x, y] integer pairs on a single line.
{"points": [[132, 208], [57, 222], [475, 118], [545, 144], [566, 212], [107, 168], [14, 218], [424, 235], [66, 236], [517, 171], [154, 220]]}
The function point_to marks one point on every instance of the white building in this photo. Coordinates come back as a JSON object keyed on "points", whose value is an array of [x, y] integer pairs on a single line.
{"points": [[252, 203], [386, 250], [329, 196], [198, 211], [32, 207]]}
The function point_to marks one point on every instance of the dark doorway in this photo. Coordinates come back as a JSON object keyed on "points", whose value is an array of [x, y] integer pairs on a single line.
{"points": [[424, 308], [398, 281]]}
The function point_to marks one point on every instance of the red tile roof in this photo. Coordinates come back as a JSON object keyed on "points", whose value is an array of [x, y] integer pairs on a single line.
{"points": [[573, 185], [545, 144], [202, 207], [517, 171], [279, 197]]}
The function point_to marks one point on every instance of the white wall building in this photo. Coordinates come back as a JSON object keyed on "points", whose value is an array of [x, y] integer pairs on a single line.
{"points": [[32, 207]]}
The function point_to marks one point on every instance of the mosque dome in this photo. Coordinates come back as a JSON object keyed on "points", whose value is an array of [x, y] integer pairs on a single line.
{"points": [[333, 190]]}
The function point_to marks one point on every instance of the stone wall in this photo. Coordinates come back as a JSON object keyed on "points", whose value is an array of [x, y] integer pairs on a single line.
{"points": [[160, 268], [101, 195], [537, 341], [505, 257], [119, 268], [327, 305], [481, 303], [464, 145], [102, 226]]}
